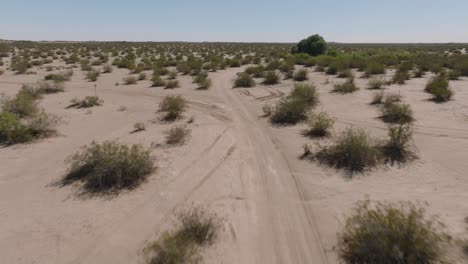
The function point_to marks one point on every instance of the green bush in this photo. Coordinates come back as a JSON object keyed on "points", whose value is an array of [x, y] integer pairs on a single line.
{"points": [[271, 78], [256, 71], [109, 167], [375, 83], [174, 106], [396, 113], [305, 92], [300, 75], [177, 135], [374, 68], [138, 127], [157, 81], [23, 105], [346, 73], [12, 130], [313, 45], [320, 125], [129, 80], [244, 80], [390, 233], [290, 111], [347, 87], [438, 86], [353, 150]]}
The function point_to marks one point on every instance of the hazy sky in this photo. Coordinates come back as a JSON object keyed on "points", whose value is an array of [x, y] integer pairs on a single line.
{"points": [[236, 20]]}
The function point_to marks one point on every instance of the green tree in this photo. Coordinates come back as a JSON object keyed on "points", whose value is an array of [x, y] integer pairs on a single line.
{"points": [[313, 45]]}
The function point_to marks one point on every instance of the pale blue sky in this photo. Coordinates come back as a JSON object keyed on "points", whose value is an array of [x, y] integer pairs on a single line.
{"points": [[236, 20]]}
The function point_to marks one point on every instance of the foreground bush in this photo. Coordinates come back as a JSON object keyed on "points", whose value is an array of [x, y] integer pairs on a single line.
{"points": [[12, 130], [177, 135], [320, 125], [396, 113], [387, 233], [109, 166], [195, 228], [290, 111], [305, 92], [244, 80], [353, 150], [23, 105], [174, 106]]}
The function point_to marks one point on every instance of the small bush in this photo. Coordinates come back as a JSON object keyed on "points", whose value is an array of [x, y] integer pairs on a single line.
{"points": [[107, 68], [177, 135], [353, 150], [109, 166], [129, 80], [171, 84], [87, 102], [142, 76], [439, 88], [48, 88], [205, 84], [290, 111], [93, 75], [256, 71], [374, 68], [12, 130], [157, 81], [396, 113], [300, 75], [390, 233], [267, 109], [244, 80], [139, 127], [173, 75], [320, 125], [174, 106], [375, 83], [400, 77], [22, 105], [398, 148], [271, 77], [196, 228], [305, 92], [378, 98], [347, 87], [345, 73]]}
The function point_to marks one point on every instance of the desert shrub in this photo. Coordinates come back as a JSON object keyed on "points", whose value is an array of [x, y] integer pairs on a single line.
{"points": [[42, 124], [139, 126], [171, 84], [195, 228], [419, 73], [290, 111], [454, 75], [107, 68], [256, 71], [2, 72], [402, 74], [172, 75], [396, 113], [390, 233], [306, 93], [129, 80], [345, 73], [320, 125], [87, 102], [12, 130], [177, 135], [174, 106], [438, 86], [463, 68], [22, 105], [378, 98], [271, 77], [313, 45], [353, 150], [398, 148], [56, 77], [109, 166], [142, 76], [300, 75], [374, 68], [244, 80], [157, 81], [48, 88], [205, 84], [267, 110], [347, 87], [392, 98], [375, 83]]}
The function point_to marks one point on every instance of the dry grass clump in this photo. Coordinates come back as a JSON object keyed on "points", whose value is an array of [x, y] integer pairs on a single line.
{"points": [[347, 87], [157, 81], [376, 83], [398, 146], [382, 98], [174, 106], [129, 80], [138, 127], [390, 233], [353, 150], [107, 68], [87, 102], [171, 84], [177, 135], [93, 75], [244, 80], [271, 78], [296, 106], [109, 167], [59, 77], [320, 125], [195, 229]]}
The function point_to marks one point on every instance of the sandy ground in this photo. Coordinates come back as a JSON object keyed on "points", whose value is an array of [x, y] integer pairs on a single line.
{"points": [[276, 207]]}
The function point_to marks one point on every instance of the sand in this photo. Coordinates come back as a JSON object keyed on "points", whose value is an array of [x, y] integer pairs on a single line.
{"points": [[276, 208]]}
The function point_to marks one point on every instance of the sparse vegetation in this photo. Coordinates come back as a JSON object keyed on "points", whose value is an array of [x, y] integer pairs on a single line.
{"points": [[376, 83], [296, 106], [174, 106], [398, 148], [390, 233], [87, 102], [396, 113], [244, 80], [439, 88], [320, 124], [129, 80], [177, 135], [301, 75], [171, 84], [347, 87]]}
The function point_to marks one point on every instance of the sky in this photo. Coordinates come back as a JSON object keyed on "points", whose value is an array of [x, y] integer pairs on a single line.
{"points": [[356, 21]]}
